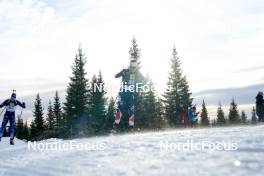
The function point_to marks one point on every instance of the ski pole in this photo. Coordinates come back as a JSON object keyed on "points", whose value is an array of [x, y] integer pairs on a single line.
{"points": [[1, 122], [116, 98], [2, 111], [20, 114]]}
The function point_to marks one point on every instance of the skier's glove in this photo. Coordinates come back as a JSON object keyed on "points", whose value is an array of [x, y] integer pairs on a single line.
{"points": [[24, 105]]}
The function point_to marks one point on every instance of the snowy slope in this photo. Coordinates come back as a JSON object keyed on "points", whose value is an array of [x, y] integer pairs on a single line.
{"points": [[141, 154]]}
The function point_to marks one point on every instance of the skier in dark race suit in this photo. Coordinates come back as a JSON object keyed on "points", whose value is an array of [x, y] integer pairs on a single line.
{"points": [[126, 95], [10, 105]]}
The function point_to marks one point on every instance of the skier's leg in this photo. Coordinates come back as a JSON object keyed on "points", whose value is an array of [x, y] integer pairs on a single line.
{"points": [[119, 113], [5, 120], [131, 110], [131, 116], [12, 126]]}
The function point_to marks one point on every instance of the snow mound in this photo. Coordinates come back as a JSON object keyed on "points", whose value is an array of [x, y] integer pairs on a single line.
{"points": [[141, 154]]}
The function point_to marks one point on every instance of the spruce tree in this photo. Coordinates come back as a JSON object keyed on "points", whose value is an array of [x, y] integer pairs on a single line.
{"points": [[50, 117], [177, 95], [19, 129], [98, 103], [220, 116], [243, 117], [159, 121], [33, 131], [135, 54], [146, 120], [253, 116], [38, 114], [214, 122], [185, 95], [110, 115], [233, 116], [26, 131], [204, 115], [152, 115], [57, 111], [76, 105]]}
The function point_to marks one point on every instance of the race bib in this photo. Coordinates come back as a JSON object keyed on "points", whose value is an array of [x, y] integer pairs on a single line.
{"points": [[11, 107]]}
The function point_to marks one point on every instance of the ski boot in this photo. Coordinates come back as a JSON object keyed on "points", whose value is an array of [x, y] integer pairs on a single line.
{"points": [[131, 129], [12, 142], [114, 129]]}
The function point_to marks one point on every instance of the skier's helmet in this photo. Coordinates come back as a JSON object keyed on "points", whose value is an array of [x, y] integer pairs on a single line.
{"points": [[260, 93]]}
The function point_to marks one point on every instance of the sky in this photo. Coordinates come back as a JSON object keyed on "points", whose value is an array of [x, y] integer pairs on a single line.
{"points": [[220, 43]]}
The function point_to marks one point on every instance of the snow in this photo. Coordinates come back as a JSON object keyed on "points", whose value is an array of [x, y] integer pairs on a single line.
{"points": [[142, 154]]}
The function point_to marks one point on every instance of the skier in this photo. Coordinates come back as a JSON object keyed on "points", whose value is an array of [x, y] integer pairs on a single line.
{"points": [[126, 95], [260, 106], [192, 114], [9, 115]]}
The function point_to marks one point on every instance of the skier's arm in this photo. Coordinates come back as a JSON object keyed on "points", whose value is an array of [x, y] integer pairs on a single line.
{"points": [[1, 105], [22, 105], [4, 103], [120, 73]]}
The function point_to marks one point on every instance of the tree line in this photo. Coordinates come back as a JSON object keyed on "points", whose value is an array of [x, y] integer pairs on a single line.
{"points": [[88, 112]]}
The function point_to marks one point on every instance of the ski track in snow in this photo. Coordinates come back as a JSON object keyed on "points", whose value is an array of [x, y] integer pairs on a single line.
{"points": [[140, 154]]}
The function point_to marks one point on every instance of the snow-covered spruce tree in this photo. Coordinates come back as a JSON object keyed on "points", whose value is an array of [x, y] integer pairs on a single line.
{"points": [[50, 117], [98, 104], [253, 116], [177, 95], [204, 115], [76, 105], [233, 116], [19, 129], [38, 116], [57, 111], [220, 116], [243, 117], [111, 109]]}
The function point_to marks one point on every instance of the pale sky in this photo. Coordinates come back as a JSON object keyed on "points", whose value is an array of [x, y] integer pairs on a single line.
{"points": [[220, 43]]}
